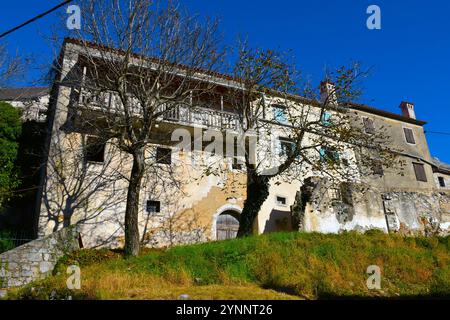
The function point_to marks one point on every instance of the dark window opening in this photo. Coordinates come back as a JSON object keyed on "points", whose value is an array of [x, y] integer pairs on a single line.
{"points": [[153, 206], [328, 154], [419, 170], [164, 155], [287, 147], [236, 165], [377, 168], [345, 192], [95, 150], [281, 201], [441, 182], [409, 135], [369, 126]]}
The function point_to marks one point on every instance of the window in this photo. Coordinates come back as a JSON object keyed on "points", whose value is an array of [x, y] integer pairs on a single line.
{"points": [[328, 154], [286, 146], [345, 191], [419, 170], [281, 201], [279, 113], [164, 155], [341, 194], [441, 182], [377, 167], [95, 150], [153, 206], [369, 127], [409, 136], [236, 165], [326, 119]]}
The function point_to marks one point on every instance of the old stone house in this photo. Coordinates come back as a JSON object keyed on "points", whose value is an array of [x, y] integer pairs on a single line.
{"points": [[32, 101], [82, 181]]}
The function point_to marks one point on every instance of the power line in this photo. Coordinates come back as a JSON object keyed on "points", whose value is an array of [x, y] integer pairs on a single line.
{"points": [[34, 19], [437, 132]]}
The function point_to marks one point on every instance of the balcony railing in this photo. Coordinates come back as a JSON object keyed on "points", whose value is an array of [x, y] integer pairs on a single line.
{"points": [[187, 115]]}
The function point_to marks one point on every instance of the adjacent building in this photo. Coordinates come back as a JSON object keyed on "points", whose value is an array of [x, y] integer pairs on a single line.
{"points": [[32, 101]]}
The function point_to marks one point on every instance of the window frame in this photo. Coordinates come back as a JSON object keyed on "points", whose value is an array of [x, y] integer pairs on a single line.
{"points": [[325, 118], [157, 205], [377, 164], [418, 177], [412, 135], [280, 204], [168, 155], [88, 152], [371, 127], [285, 141], [329, 154], [441, 181], [284, 112]]}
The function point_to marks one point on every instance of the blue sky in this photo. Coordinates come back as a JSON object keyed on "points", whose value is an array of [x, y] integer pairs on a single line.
{"points": [[409, 55]]}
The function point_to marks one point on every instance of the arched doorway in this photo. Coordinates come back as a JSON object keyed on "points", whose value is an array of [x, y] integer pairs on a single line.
{"points": [[227, 225]]}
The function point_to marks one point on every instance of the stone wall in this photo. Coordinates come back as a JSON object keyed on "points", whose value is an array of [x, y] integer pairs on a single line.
{"points": [[424, 212], [36, 259]]}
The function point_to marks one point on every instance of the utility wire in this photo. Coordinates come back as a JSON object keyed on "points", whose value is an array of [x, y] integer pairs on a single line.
{"points": [[34, 19], [437, 132]]}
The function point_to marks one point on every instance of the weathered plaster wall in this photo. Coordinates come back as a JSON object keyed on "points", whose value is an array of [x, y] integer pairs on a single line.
{"points": [[446, 177], [36, 259], [410, 212]]}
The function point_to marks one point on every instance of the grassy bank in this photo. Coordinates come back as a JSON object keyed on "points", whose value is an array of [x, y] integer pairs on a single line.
{"points": [[275, 266]]}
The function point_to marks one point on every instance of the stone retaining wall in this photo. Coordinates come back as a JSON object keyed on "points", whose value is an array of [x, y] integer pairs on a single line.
{"points": [[36, 259]]}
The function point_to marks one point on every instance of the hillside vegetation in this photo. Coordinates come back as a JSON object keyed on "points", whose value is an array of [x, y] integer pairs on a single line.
{"points": [[274, 266]]}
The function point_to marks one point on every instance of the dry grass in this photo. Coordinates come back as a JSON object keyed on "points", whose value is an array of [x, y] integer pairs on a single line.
{"points": [[275, 266], [115, 285]]}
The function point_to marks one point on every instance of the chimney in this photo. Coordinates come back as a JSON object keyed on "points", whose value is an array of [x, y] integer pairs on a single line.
{"points": [[408, 109], [327, 90]]}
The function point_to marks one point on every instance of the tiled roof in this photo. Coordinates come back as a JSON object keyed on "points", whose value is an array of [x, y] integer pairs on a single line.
{"points": [[20, 94], [440, 166], [355, 106]]}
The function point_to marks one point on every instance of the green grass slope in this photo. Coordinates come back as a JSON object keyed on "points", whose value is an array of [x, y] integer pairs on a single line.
{"points": [[274, 266]]}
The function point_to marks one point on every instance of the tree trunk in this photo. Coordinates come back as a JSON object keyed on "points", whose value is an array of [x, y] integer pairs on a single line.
{"points": [[257, 193], [132, 209]]}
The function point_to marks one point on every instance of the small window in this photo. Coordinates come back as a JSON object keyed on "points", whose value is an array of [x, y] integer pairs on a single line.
{"points": [[441, 182], [164, 155], [377, 167], [95, 150], [236, 165], [286, 146], [281, 201], [409, 135], [419, 170], [279, 113], [369, 126], [329, 154], [345, 191], [326, 119], [153, 206]]}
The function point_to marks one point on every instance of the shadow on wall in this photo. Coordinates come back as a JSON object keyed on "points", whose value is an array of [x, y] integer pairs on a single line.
{"points": [[278, 221]]}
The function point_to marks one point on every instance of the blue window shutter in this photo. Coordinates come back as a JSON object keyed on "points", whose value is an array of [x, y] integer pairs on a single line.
{"points": [[322, 152], [326, 117], [336, 156], [279, 113]]}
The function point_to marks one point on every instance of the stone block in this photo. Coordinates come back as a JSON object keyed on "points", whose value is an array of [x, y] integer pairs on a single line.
{"points": [[45, 267]]}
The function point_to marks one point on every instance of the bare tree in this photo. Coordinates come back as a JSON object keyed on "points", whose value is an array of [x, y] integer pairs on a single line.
{"points": [[297, 130], [139, 61], [11, 67]]}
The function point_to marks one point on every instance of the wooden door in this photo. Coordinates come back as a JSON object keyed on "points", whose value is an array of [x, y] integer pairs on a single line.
{"points": [[227, 226]]}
